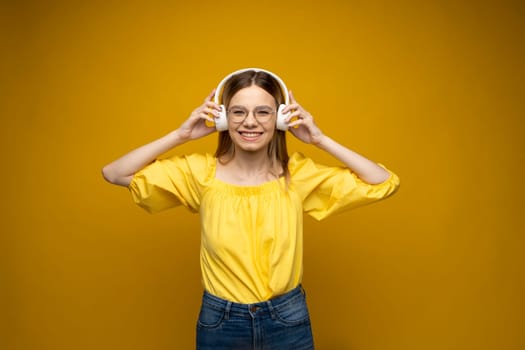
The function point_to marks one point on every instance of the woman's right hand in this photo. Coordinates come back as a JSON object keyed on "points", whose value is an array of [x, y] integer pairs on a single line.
{"points": [[122, 170], [195, 126]]}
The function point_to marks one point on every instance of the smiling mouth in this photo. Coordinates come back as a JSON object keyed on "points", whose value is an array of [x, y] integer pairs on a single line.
{"points": [[250, 134]]}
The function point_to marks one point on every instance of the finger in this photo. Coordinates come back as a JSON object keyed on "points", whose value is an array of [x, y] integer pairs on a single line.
{"points": [[296, 123], [292, 98], [293, 115], [212, 111], [291, 107], [211, 120], [195, 117], [206, 116], [210, 96], [212, 105]]}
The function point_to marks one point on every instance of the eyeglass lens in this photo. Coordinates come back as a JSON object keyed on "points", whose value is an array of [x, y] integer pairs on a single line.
{"points": [[238, 114]]}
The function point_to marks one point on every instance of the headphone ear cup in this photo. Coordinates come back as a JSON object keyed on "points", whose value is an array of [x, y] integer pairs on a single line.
{"points": [[281, 118], [221, 122]]}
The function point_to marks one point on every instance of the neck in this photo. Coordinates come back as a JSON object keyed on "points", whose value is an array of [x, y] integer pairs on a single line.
{"points": [[251, 163], [246, 168]]}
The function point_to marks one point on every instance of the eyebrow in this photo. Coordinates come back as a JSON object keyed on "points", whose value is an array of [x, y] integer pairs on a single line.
{"points": [[256, 107]]}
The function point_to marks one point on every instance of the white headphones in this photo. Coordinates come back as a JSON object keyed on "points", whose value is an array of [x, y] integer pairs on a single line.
{"points": [[221, 122]]}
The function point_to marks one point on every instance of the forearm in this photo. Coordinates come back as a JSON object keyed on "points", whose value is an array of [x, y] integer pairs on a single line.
{"points": [[366, 170], [121, 171]]}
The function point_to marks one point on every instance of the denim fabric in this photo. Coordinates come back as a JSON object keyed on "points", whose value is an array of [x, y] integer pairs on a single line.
{"points": [[282, 323]]}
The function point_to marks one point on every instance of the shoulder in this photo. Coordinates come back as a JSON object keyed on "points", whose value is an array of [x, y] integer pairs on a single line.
{"points": [[196, 161], [296, 160], [299, 163], [198, 165], [193, 159]]}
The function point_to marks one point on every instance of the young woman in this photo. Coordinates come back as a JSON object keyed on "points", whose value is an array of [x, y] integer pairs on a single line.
{"points": [[251, 197]]}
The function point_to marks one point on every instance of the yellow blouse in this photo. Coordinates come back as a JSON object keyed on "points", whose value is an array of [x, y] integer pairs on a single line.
{"points": [[252, 236]]}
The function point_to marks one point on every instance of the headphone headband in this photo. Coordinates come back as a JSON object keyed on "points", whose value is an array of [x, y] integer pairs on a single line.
{"points": [[218, 91]]}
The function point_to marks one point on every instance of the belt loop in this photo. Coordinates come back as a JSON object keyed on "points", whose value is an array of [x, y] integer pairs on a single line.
{"points": [[272, 310], [227, 310], [303, 291]]}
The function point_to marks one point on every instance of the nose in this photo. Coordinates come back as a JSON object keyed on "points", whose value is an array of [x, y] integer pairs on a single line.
{"points": [[250, 119]]}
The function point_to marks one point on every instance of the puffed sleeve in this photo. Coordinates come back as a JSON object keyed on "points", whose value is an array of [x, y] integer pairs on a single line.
{"points": [[329, 190], [170, 182]]}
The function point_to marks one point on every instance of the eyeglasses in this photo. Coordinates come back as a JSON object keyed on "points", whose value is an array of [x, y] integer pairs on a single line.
{"points": [[238, 114]]}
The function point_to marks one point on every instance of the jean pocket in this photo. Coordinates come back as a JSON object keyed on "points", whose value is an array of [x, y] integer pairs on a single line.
{"points": [[210, 317], [293, 312]]}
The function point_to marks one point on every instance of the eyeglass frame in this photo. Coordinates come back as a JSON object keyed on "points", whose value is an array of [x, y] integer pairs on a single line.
{"points": [[253, 112]]}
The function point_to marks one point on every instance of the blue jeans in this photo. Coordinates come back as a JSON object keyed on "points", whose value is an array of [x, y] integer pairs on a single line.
{"points": [[282, 323]]}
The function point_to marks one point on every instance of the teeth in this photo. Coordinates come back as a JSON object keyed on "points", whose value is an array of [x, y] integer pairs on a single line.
{"points": [[251, 134]]}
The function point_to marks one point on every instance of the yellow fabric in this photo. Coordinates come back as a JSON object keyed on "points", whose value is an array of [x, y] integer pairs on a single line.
{"points": [[252, 236]]}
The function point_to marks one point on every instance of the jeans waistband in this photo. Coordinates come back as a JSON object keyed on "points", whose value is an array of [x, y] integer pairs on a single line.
{"points": [[248, 310]]}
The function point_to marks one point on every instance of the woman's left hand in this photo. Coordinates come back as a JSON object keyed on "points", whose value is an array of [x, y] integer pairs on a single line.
{"points": [[301, 123]]}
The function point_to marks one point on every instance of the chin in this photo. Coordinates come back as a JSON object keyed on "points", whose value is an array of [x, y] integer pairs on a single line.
{"points": [[251, 148]]}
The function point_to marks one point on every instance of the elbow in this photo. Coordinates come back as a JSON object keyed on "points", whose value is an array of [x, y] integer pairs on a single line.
{"points": [[113, 177], [108, 175], [379, 178]]}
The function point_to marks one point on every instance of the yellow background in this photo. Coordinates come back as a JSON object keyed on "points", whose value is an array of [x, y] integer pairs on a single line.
{"points": [[432, 89]]}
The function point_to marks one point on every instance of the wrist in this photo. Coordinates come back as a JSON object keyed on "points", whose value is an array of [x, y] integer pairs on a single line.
{"points": [[177, 137], [322, 141]]}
